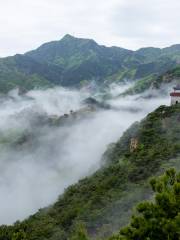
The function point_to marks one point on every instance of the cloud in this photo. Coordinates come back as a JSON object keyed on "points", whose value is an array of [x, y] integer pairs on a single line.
{"points": [[26, 24], [32, 175], [148, 22]]}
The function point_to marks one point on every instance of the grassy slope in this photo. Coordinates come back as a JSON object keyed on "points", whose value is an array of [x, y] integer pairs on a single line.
{"points": [[104, 200]]}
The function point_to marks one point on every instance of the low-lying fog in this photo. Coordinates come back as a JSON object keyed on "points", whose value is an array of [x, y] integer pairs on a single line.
{"points": [[37, 168]]}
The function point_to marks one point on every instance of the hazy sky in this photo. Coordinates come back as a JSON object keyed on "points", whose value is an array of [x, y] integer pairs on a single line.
{"points": [[26, 24]]}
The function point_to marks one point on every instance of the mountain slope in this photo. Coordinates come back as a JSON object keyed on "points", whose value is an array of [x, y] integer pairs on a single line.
{"points": [[71, 52], [152, 54], [84, 59], [73, 62], [104, 201], [25, 73], [155, 82]]}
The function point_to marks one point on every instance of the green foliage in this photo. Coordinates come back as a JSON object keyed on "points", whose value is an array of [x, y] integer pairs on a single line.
{"points": [[158, 219], [20, 235], [79, 233]]}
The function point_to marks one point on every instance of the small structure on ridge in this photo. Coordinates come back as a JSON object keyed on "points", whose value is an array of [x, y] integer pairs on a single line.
{"points": [[175, 95]]}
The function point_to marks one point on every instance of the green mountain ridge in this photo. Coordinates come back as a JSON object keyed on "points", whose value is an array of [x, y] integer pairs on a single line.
{"points": [[73, 62], [103, 201], [155, 82]]}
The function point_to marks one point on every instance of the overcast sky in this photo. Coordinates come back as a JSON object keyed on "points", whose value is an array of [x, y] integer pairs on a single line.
{"points": [[26, 24]]}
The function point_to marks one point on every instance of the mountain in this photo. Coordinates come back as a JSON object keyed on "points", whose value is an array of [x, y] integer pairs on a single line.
{"points": [[155, 82], [84, 60], [103, 201], [93, 61], [72, 52], [25, 73], [151, 54], [73, 62]]}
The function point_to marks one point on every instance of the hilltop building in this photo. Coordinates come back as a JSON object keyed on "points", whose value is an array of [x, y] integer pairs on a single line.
{"points": [[175, 95]]}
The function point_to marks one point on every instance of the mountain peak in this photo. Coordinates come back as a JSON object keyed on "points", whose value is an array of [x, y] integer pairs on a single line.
{"points": [[67, 37], [78, 40]]}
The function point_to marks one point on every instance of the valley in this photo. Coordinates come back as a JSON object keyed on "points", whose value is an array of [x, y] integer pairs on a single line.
{"points": [[83, 128]]}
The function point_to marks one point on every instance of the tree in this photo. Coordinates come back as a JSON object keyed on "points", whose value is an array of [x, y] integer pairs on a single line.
{"points": [[20, 235], [158, 219], [79, 233]]}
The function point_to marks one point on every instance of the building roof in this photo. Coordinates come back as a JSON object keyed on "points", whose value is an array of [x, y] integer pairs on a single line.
{"points": [[177, 87], [175, 94]]}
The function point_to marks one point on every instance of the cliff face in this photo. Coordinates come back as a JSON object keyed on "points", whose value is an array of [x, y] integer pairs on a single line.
{"points": [[105, 200], [133, 144]]}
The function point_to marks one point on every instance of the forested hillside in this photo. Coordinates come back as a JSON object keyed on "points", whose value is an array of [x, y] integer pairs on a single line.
{"points": [[75, 62], [103, 201], [156, 82]]}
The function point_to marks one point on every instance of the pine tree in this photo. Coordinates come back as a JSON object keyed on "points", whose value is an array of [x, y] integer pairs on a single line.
{"points": [[158, 219]]}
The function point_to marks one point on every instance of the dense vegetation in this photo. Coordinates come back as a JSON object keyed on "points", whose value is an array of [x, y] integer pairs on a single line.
{"points": [[76, 62], [158, 219], [103, 201]]}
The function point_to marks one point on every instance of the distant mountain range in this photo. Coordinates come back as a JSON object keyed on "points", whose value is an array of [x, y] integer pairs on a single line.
{"points": [[74, 62]]}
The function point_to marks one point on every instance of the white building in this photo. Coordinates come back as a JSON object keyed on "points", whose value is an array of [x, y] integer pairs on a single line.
{"points": [[175, 95]]}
